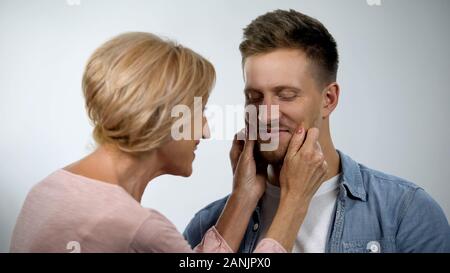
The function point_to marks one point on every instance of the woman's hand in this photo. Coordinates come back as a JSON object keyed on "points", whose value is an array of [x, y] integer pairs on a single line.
{"points": [[249, 183], [303, 171], [249, 177], [304, 166]]}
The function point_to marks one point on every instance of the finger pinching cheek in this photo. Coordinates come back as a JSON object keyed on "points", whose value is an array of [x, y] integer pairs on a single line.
{"points": [[241, 135], [318, 147]]}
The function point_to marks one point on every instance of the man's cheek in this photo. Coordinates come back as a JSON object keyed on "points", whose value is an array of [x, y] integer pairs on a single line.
{"points": [[272, 145]]}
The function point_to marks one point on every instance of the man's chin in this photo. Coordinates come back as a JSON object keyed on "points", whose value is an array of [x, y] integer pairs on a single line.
{"points": [[273, 157]]}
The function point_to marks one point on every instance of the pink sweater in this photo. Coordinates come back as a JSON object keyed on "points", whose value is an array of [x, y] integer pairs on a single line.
{"points": [[66, 210]]}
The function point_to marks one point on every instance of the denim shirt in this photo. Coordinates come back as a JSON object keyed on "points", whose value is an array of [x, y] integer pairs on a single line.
{"points": [[374, 212]]}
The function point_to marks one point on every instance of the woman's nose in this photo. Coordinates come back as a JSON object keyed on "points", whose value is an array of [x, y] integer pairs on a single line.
{"points": [[206, 132]]}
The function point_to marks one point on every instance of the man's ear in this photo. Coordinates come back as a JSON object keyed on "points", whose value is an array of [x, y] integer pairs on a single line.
{"points": [[330, 99]]}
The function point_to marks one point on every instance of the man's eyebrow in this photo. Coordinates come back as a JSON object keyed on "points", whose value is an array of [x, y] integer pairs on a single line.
{"points": [[284, 87], [276, 89], [250, 89]]}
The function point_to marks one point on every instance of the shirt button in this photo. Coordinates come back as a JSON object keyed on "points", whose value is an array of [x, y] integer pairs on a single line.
{"points": [[255, 227], [373, 247]]}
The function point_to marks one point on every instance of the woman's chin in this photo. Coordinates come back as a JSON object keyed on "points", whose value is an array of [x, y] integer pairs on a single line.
{"points": [[188, 172], [184, 172]]}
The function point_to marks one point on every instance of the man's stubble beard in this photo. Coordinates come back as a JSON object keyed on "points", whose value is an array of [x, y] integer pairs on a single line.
{"points": [[275, 157]]}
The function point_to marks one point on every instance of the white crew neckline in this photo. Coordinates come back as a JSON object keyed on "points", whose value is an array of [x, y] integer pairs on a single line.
{"points": [[327, 186]]}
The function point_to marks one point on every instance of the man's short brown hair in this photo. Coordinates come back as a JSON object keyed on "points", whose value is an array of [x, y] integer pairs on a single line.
{"points": [[294, 30]]}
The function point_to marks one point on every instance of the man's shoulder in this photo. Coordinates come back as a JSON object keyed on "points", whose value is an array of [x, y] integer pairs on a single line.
{"points": [[364, 182], [398, 197], [406, 203], [382, 191], [204, 219], [214, 207], [375, 179]]}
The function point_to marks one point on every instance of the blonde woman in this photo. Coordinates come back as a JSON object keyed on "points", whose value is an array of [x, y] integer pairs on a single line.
{"points": [[131, 84]]}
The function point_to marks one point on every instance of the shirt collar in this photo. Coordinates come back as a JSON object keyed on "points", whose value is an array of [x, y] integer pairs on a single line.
{"points": [[351, 177]]}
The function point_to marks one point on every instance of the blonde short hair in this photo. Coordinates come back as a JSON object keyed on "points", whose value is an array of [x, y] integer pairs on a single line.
{"points": [[132, 82]]}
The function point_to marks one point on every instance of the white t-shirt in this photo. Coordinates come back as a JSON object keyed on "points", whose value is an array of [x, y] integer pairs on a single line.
{"points": [[312, 236]]}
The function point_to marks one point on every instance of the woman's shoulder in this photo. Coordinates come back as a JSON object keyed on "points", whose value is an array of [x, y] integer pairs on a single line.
{"points": [[101, 217], [77, 191], [158, 234]]}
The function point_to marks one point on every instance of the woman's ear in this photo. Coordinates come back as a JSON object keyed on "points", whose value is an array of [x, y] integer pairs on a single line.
{"points": [[330, 99]]}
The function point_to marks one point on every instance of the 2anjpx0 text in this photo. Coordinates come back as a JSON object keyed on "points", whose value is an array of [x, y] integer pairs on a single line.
{"points": [[225, 263]]}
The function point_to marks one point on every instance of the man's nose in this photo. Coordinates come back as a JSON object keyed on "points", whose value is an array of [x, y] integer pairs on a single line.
{"points": [[268, 111]]}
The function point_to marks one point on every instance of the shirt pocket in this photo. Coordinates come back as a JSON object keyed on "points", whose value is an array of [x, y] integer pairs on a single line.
{"points": [[385, 245]]}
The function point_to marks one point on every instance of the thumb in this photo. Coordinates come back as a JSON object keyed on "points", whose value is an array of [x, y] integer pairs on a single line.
{"points": [[248, 148]]}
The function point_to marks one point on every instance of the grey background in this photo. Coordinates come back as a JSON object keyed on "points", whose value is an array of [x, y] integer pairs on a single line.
{"points": [[394, 75]]}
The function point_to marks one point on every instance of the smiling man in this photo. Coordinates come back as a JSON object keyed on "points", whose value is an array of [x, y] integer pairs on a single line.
{"points": [[290, 60]]}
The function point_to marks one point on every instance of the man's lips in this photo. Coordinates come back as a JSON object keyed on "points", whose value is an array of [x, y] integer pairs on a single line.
{"points": [[273, 133], [274, 130]]}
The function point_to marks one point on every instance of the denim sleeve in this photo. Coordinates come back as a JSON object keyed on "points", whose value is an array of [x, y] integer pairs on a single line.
{"points": [[193, 233], [202, 222], [424, 227]]}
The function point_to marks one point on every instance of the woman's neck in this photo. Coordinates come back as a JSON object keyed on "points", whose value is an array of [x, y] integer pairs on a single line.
{"points": [[110, 165]]}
